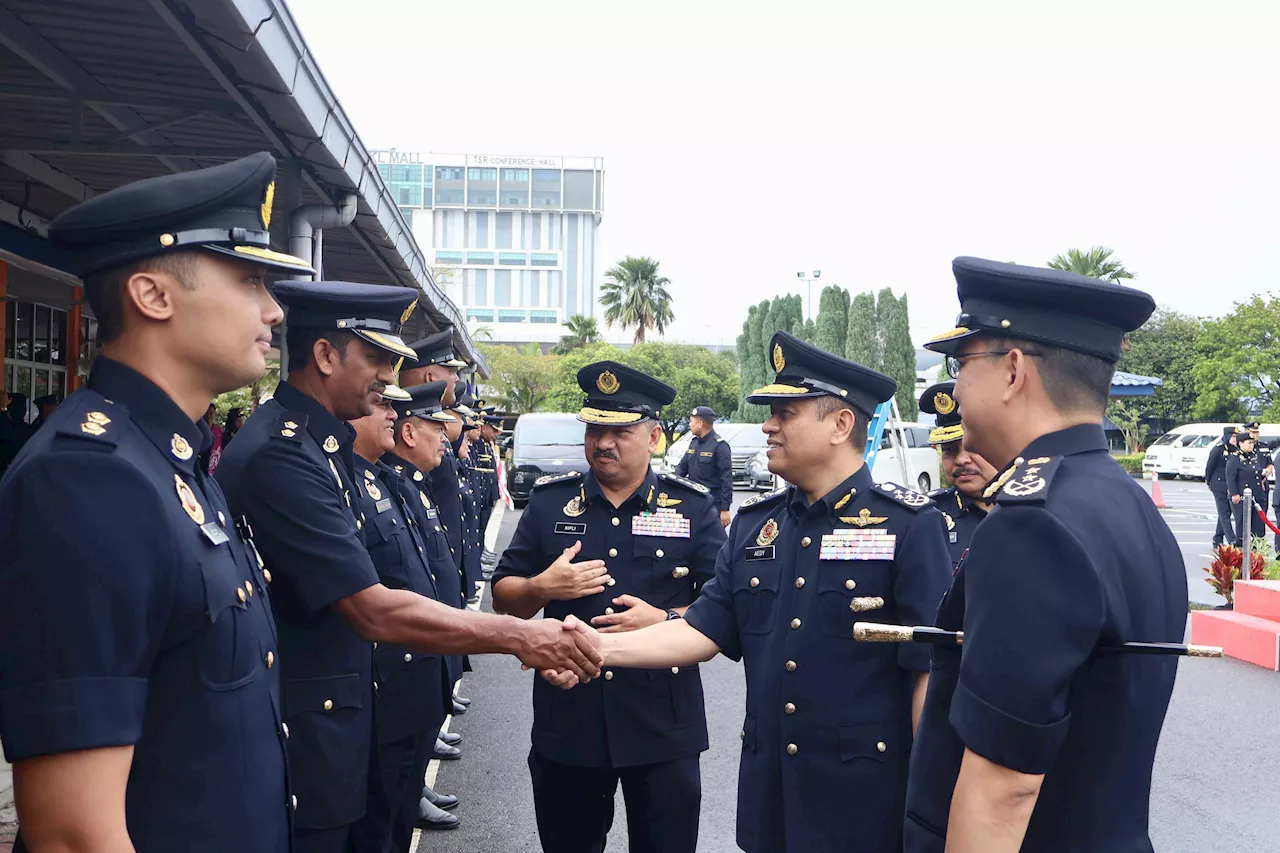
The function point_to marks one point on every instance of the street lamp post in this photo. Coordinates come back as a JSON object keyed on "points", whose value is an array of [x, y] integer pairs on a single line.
{"points": [[809, 281]]}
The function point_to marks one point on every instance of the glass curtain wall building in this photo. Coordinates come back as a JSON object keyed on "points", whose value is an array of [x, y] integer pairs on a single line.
{"points": [[513, 239]]}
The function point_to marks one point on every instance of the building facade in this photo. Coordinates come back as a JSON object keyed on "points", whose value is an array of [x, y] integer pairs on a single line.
{"points": [[512, 239]]}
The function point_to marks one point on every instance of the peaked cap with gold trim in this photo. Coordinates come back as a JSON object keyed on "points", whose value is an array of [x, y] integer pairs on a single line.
{"points": [[423, 402], [940, 401], [224, 209], [437, 348], [617, 394], [804, 370], [1055, 307], [375, 312]]}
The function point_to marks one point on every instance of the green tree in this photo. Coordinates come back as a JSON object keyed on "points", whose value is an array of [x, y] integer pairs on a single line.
{"points": [[246, 399], [752, 364], [636, 296], [1164, 347], [1237, 370], [862, 343], [899, 361], [1095, 263], [565, 395], [582, 331], [1127, 415], [520, 379], [832, 326]]}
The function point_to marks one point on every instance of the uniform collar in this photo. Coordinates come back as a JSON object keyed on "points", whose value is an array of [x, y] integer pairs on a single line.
{"points": [[859, 483], [1081, 438], [591, 490], [321, 423], [965, 503], [402, 467], [175, 435]]}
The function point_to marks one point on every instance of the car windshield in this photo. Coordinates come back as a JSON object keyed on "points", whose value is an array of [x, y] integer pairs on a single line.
{"points": [[748, 437], [543, 432], [1167, 438], [1203, 441]]}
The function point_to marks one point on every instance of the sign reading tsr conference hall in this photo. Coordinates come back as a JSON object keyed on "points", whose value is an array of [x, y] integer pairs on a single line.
{"points": [[394, 157]]}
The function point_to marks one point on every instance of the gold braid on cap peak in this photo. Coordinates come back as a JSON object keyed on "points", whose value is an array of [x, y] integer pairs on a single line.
{"points": [[777, 388], [603, 416]]}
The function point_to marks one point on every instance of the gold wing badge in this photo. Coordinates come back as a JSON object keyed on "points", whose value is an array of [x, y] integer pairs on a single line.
{"points": [[864, 518]]}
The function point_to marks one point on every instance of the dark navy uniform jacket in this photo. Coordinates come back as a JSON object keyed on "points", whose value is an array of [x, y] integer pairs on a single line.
{"points": [[1215, 469], [484, 464], [1073, 555], [415, 488], [143, 620], [290, 471], [827, 733], [709, 461], [446, 489], [1244, 471], [411, 691], [962, 515], [470, 485], [660, 546]]}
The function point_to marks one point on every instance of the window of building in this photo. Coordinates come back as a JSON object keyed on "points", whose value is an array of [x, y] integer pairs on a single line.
{"points": [[544, 259], [545, 199], [448, 198], [515, 176], [407, 213], [579, 190], [547, 177], [482, 198], [485, 258], [482, 174], [448, 173], [479, 287], [544, 316], [513, 259], [512, 316], [477, 315], [35, 354], [448, 257], [502, 287], [509, 200]]}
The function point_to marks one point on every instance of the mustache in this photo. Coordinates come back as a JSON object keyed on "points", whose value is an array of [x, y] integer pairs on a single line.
{"points": [[605, 454], [967, 470]]}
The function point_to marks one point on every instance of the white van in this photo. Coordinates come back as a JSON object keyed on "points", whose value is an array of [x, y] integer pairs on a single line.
{"points": [[1184, 451]]}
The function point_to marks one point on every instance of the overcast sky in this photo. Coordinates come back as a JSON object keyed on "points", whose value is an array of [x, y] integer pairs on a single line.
{"points": [[744, 140]]}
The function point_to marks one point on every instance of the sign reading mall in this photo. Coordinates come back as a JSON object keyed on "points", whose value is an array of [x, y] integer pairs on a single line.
{"points": [[393, 157]]}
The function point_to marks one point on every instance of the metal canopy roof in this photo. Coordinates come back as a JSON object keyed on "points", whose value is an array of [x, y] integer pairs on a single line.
{"points": [[97, 93]]}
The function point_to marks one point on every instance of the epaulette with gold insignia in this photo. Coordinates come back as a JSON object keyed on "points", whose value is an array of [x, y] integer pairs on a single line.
{"points": [[762, 500], [1026, 481], [556, 478], [909, 498], [290, 425], [688, 484], [95, 420]]}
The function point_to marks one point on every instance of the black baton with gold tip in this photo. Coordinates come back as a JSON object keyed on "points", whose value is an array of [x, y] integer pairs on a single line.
{"points": [[875, 632]]}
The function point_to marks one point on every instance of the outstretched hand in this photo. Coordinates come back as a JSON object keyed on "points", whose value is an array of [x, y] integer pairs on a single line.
{"points": [[638, 614]]}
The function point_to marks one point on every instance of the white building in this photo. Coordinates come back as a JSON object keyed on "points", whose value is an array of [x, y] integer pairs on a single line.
{"points": [[512, 239]]}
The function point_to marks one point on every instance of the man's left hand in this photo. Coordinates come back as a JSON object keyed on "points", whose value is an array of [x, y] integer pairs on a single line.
{"points": [[724, 518], [639, 614]]}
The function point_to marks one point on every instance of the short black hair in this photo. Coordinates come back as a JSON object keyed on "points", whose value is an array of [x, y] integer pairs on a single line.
{"points": [[1073, 381], [826, 405], [299, 342], [104, 289]]}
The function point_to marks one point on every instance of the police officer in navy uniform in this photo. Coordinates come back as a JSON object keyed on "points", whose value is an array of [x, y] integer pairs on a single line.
{"points": [[419, 446], [471, 487], [291, 472], [961, 503], [139, 667], [487, 464], [623, 547], [1215, 476], [828, 725], [709, 460], [1245, 471], [1030, 740]]}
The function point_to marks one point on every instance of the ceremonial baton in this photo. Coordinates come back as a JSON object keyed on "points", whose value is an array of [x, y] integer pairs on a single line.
{"points": [[875, 632]]}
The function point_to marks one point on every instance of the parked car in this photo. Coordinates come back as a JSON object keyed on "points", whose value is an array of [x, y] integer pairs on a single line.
{"points": [[544, 443], [923, 467], [745, 441], [758, 476], [1184, 450]]}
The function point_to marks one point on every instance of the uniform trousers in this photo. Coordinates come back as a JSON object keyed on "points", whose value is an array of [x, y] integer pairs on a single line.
{"points": [[574, 805], [1225, 531]]}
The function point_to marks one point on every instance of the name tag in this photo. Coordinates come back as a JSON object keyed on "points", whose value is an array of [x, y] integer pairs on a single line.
{"points": [[383, 505], [431, 513], [852, 544], [214, 533], [760, 553], [665, 522], [575, 528], [706, 453], [952, 536]]}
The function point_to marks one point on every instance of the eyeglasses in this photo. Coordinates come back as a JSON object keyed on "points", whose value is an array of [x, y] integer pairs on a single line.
{"points": [[953, 363]]}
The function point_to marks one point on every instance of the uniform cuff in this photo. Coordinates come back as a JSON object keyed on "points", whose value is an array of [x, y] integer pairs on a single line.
{"points": [[716, 624], [52, 717], [1005, 739]]}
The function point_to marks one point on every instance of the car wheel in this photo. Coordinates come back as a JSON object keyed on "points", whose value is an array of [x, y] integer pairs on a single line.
{"points": [[1164, 476], [924, 483]]}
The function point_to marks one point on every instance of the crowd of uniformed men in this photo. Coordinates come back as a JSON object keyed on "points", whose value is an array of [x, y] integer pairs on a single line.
{"points": [[263, 660]]}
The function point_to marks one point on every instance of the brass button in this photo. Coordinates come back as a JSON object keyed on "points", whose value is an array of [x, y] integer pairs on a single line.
{"points": [[222, 519], [285, 728], [882, 746], [248, 587], [799, 583], [755, 582], [375, 644], [359, 524], [789, 708], [792, 749], [680, 572], [675, 670], [850, 583], [608, 611], [608, 676], [613, 552], [743, 734], [408, 657], [795, 623], [375, 687], [611, 582], [271, 659], [295, 802], [658, 553], [791, 666], [266, 574], [240, 595], [806, 542], [616, 522], [328, 704]]}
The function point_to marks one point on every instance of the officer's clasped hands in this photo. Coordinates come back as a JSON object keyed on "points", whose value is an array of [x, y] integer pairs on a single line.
{"points": [[565, 580], [639, 614]]}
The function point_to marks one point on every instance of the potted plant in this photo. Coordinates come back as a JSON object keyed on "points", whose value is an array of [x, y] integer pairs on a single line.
{"points": [[1225, 569]]}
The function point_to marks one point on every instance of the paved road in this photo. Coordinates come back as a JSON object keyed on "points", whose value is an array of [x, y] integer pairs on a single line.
{"points": [[1214, 783]]}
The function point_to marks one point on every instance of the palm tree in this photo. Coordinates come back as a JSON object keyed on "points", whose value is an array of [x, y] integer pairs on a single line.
{"points": [[636, 296], [482, 333], [582, 331], [1095, 263]]}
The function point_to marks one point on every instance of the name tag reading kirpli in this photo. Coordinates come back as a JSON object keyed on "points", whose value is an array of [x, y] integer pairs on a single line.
{"points": [[846, 544], [664, 522]]}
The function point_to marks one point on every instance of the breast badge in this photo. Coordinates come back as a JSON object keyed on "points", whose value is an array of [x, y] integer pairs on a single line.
{"points": [[574, 507], [189, 502], [768, 533]]}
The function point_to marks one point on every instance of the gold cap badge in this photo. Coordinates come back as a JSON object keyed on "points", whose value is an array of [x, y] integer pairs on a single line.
{"points": [[330, 445], [608, 383], [944, 403], [179, 447], [779, 362]]}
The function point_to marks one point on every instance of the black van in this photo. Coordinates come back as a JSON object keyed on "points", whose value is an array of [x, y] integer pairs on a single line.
{"points": [[544, 443]]}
